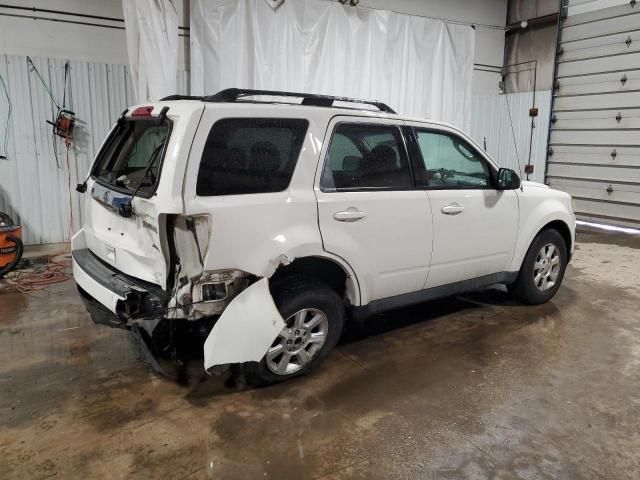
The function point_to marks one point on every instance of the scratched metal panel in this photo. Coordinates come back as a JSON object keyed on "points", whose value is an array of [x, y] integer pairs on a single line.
{"points": [[594, 149], [35, 179], [490, 122]]}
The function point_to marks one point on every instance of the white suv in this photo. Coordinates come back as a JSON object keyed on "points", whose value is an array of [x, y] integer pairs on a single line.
{"points": [[264, 225]]}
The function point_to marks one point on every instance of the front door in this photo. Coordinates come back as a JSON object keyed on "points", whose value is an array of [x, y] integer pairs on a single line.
{"points": [[475, 225], [370, 212]]}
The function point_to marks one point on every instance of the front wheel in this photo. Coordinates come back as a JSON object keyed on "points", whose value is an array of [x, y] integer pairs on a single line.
{"points": [[542, 270], [314, 318]]}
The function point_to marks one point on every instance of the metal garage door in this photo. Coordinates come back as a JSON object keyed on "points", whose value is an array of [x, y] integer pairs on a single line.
{"points": [[594, 147]]}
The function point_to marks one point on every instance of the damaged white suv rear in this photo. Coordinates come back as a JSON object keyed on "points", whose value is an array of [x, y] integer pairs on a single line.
{"points": [[263, 225]]}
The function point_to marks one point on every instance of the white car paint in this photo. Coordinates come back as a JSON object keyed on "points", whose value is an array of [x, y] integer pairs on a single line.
{"points": [[246, 329], [402, 245], [476, 242], [391, 244], [539, 206], [124, 242], [102, 294]]}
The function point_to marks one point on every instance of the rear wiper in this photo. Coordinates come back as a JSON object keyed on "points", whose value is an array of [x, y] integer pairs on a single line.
{"points": [[125, 210]]}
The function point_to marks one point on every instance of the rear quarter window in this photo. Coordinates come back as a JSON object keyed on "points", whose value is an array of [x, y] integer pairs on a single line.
{"points": [[250, 155]]}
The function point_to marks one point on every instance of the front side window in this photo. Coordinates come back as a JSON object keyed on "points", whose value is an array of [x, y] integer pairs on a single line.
{"points": [[132, 157], [450, 162], [250, 155], [365, 156]]}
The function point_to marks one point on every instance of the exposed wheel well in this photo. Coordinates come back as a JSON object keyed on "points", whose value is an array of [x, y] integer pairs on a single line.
{"points": [[323, 269], [561, 228]]}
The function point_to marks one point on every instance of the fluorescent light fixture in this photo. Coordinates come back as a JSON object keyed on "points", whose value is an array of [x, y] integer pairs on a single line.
{"points": [[610, 228]]}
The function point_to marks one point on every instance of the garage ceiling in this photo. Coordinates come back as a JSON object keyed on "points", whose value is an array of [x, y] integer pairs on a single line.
{"points": [[594, 147]]}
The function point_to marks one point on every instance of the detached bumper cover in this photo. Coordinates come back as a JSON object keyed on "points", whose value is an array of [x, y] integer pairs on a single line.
{"points": [[246, 329], [125, 297]]}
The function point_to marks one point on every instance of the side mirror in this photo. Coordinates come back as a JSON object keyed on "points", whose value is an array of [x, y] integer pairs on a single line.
{"points": [[508, 179]]}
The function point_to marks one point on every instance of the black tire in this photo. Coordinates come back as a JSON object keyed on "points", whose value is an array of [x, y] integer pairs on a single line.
{"points": [[292, 294], [525, 289]]}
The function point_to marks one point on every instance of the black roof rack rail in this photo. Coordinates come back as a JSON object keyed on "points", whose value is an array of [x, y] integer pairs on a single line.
{"points": [[180, 97], [233, 94]]}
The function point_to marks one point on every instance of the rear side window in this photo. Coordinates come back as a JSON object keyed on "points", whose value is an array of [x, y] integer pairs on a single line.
{"points": [[365, 156], [250, 155]]}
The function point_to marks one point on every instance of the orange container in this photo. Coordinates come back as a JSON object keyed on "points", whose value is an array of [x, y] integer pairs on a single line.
{"points": [[8, 248]]}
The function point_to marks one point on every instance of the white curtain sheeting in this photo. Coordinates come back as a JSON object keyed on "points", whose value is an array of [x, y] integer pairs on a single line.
{"points": [[418, 66], [152, 45]]}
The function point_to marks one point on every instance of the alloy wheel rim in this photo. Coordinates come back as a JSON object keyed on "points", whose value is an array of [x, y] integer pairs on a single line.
{"points": [[298, 342], [547, 267]]}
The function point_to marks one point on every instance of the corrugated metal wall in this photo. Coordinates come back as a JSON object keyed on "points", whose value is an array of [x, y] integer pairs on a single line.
{"points": [[490, 122], [34, 178], [34, 185], [594, 149]]}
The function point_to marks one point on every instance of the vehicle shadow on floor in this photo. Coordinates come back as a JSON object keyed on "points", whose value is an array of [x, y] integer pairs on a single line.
{"points": [[202, 387], [423, 312]]}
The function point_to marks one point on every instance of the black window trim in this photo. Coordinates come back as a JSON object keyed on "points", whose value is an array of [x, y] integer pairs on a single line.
{"points": [[152, 120], [400, 128], [249, 117], [493, 172]]}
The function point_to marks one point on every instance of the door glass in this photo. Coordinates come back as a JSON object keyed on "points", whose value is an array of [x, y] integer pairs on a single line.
{"points": [[450, 162], [363, 156]]}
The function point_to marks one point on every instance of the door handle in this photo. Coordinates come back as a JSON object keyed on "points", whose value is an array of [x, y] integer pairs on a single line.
{"points": [[349, 215], [452, 209]]}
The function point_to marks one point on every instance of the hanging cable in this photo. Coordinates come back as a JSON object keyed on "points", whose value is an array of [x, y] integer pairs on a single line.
{"points": [[513, 133], [64, 120], [5, 138], [44, 84], [64, 85], [68, 146]]}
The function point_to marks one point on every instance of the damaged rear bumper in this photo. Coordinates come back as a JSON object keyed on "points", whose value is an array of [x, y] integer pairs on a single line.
{"points": [[111, 297], [242, 333]]}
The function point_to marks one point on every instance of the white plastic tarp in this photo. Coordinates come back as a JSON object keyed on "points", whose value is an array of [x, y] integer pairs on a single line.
{"points": [[418, 66], [152, 45]]}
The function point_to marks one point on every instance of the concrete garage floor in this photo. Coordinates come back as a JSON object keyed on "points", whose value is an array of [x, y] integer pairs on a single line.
{"points": [[471, 387]]}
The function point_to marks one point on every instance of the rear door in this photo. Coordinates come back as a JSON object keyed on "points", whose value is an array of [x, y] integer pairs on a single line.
{"points": [[370, 212], [475, 225]]}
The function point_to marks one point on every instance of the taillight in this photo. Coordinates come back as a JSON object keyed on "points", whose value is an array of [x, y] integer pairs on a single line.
{"points": [[142, 112]]}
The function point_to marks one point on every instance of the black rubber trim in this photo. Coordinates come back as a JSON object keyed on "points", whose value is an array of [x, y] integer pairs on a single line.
{"points": [[113, 279], [398, 301], [147, 351]]}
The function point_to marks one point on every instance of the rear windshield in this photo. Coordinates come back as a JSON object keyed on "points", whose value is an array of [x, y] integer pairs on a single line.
{"points": [[250, 155], [132, 157]]}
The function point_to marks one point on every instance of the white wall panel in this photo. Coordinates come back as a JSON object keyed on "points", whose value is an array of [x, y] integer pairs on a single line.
{"points": [[490, 123], [33, 185]]}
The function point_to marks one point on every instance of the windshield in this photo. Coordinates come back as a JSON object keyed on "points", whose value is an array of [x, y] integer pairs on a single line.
{"points": [[132, 158]]}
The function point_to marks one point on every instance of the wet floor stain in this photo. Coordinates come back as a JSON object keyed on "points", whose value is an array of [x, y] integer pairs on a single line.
{"points": [[475, 386]]}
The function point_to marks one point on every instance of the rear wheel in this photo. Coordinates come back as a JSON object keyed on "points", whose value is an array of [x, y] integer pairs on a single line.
{"points": [[314, 318], [542, 270]]}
